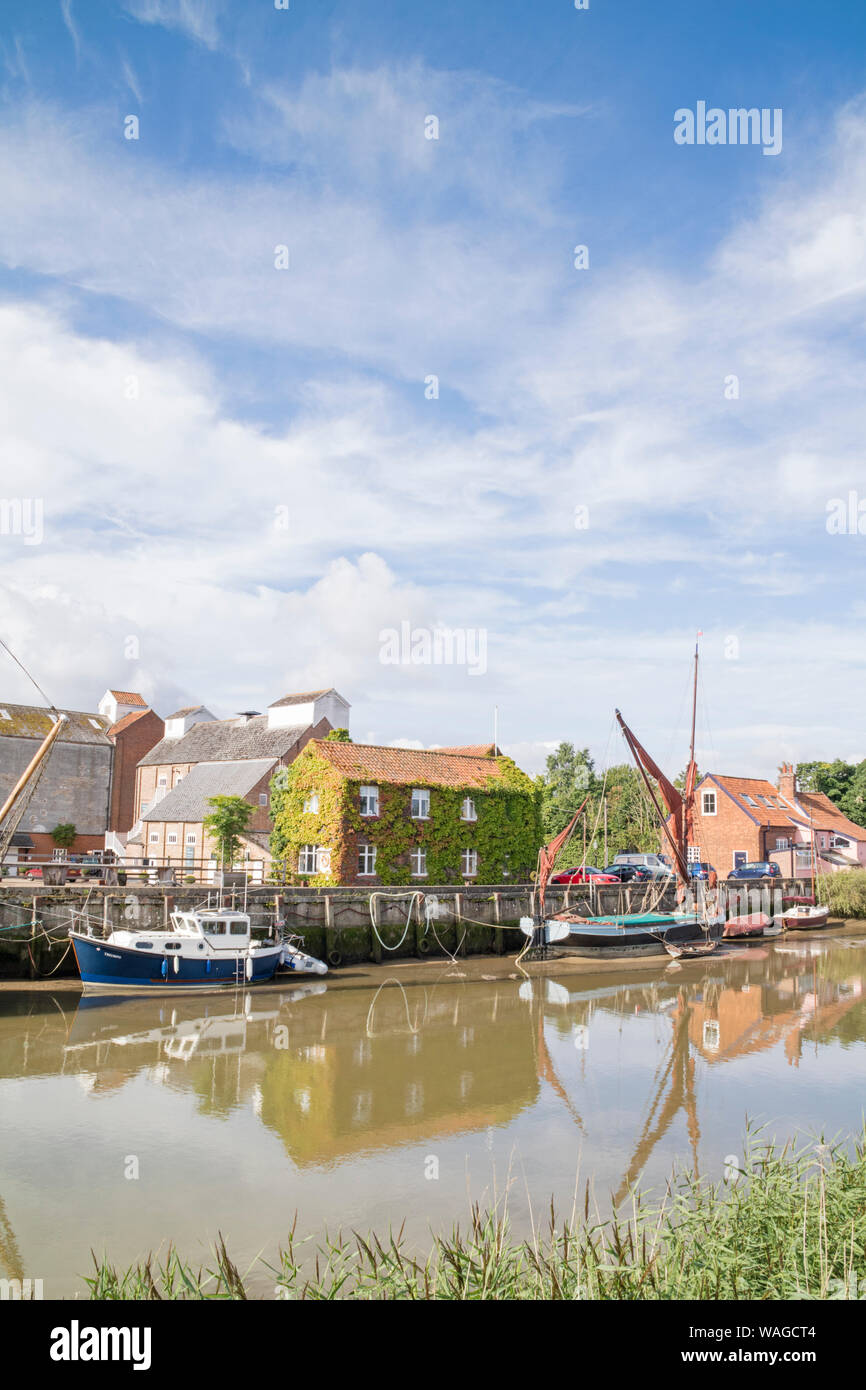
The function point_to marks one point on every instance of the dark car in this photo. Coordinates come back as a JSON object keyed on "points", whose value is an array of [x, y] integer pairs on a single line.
{"points": [[700, 869], [584, 873], [628, 873], [764, 869]]}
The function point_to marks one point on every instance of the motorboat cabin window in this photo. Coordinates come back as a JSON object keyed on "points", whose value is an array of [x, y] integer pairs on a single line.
{"points": [[144, 945], [172, 945], [238, 929]]}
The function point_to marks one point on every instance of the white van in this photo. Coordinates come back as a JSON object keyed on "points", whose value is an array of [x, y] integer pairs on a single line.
{"points": [[659, 863]]}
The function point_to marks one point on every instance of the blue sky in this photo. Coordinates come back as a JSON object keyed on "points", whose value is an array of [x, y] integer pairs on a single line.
{"points": [[243, 481]]}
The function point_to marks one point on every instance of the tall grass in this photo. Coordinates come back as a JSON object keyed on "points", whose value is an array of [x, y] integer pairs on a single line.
{"points": [[790, 1224], [844, 893]]}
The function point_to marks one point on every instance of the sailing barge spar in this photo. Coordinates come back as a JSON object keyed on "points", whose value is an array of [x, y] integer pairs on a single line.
{"points": [[641, 933]]}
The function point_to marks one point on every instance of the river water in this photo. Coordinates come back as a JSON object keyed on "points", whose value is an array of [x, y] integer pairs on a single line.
{"points": [[404, 1093]]}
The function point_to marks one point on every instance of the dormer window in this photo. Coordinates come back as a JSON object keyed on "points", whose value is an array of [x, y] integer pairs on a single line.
{"points": [[467, 810], [369, 801]]}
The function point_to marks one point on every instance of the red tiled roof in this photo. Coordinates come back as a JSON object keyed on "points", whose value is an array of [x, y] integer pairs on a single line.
{"points": [[755, 787], [125, 722], [128, 697], [823, 815], [477, 750], [413, 766]]}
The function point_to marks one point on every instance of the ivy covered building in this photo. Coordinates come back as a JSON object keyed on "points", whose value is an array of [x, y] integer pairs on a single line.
{"points": [[358, 814]]}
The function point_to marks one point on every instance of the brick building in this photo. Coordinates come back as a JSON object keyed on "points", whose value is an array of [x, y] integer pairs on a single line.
{"points": [[89, 775], [200, 756], [362, 814], [739, 820]]}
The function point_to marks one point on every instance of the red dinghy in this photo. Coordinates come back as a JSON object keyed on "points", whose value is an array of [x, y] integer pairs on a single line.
{"points": [[752, 924]]}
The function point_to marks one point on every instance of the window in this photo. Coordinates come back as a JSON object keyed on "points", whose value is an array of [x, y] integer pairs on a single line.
{"points": [[369, 801], [178, 778], [154, 837], [172, 839], [748, 800], [4, 714], [420, 804], [308, 859], [467, 810], [782, 842], [693, 854], [263, 798], [96, 724], [708, 803], [311, 804], [238, 929], [418, 859], [161, 782], [190, 839], [469, 862], [366, 859]]}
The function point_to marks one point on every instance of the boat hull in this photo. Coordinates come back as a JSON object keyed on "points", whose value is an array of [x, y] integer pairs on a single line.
{"points": [[814, 920], [105, 966], [606, 937], [753, 924]]}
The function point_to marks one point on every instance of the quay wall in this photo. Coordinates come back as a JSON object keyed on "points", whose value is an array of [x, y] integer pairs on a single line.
{"points": [[334, 922]]}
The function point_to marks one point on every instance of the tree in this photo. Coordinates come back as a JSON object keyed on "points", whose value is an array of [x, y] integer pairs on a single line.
{"points": [[63, 835], [680, 779], [569, 775], [226, 823], [833, 779], [337, 736]]}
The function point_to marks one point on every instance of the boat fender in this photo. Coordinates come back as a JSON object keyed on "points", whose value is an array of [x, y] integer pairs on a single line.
{"points": [[207, 967], [164, 967], [335, 957], [176, 964], [249, 967]]}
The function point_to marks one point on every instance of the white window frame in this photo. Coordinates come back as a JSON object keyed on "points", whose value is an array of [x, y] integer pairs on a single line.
{"points": [[171, 839], [782, 842], [423, 795], [364, 852], [162, 781], [418, 861], [470, 814], [693, 854], [469, 863], [263, 798], [307, 853], [368, 797], [311, 804], [153, 838], [705, 810], [191, 838]]}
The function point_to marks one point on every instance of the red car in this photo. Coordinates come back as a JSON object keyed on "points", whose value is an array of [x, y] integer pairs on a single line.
{"points": [[583, 874]]}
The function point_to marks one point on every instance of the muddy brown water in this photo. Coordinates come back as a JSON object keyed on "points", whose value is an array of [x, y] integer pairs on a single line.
{"points": [[403, 1093]]}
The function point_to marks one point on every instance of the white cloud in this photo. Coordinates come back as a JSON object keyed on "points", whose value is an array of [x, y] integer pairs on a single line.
{"points": [[198, 19]]}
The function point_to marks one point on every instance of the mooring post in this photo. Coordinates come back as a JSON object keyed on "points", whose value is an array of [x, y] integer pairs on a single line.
{"points": [[375, 944]]}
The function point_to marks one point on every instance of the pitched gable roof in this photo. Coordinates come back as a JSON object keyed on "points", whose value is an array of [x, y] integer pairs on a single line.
{"points": [[125, 722], [360, 762], [128, 697], [226, 740], [819, 810], [188, 801], [35, 721], [478, 750], [759, 790], [303, 699]]}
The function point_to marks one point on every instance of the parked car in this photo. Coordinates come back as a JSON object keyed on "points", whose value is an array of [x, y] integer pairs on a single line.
{"points": [[764, 869], [584, 873], [34, 872], [659, 864], [700, 869], [628, 873]]}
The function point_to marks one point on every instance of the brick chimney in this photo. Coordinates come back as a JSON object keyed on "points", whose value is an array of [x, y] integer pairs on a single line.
{"points": [[787, 782]]}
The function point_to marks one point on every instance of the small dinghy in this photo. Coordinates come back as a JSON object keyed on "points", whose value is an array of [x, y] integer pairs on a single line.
{"points": [[689, 951], [805, 917], [751, 924], [204, 950]]}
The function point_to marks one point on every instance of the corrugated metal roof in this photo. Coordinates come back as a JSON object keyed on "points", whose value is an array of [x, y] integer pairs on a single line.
{"points": [[188, 801], [226, 740], [34, 721]]}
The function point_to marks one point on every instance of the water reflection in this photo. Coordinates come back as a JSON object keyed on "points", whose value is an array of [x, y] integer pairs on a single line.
{"points": [[619, 1071]]}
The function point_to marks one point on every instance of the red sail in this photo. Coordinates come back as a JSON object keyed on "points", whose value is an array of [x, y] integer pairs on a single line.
{"points": [[547, 855], [672, 799]]}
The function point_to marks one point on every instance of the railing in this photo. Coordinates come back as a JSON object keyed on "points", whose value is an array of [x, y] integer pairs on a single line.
{"points": [[109, 868]]}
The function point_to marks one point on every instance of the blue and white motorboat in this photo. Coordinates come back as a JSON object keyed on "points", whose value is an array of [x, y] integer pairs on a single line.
{"points": [[209, 949]]}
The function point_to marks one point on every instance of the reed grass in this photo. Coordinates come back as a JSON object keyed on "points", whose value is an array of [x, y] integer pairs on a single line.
{"points": [[791, 1223], [844, 893]]}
